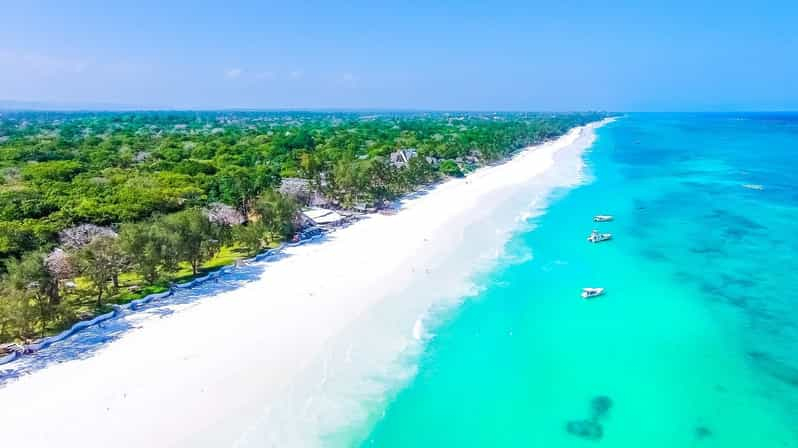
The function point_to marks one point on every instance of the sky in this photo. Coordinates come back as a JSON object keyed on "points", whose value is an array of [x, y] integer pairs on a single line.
{"points": [[451, 55]]}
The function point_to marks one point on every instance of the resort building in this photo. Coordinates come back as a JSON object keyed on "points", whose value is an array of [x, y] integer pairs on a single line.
{"points": [[302, 191], [321, 217], [401, 158]]}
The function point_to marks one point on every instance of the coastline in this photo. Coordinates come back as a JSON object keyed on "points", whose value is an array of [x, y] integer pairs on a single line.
{"points": [[289, 357]]}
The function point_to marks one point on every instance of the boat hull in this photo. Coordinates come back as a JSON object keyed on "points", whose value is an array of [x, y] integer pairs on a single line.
{"points": [[589, 293]]}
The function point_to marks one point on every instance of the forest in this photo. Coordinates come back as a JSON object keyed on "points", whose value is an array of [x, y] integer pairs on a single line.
{"points": [[98, 208]]}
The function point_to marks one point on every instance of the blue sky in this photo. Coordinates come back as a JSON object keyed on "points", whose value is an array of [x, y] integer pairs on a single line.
{"points": [[513, 55]]}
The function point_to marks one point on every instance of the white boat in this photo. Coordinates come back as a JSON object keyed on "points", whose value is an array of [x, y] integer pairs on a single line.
{"points": [[589, 293], [596, 237], [602, 218]]}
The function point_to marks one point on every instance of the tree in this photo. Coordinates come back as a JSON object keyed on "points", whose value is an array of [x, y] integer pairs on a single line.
{"points": [[151, 248], [276, 213], [28, 291], [197, 237], [56, 170], [349, 182], [384, 181], [450, 168], [252, 235], [101, 261], [236, 185], [61, 266], [18, 313], [418, 172]]}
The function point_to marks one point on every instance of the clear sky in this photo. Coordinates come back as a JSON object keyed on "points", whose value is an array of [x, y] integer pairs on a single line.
{"points": [[490, 55]]}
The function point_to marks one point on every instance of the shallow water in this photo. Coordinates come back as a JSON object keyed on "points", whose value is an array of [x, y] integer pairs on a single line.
{"points": [[696, 341]]}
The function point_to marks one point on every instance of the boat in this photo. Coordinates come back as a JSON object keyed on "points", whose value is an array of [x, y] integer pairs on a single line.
{"points": [[596, 237], [602, 218], [589, 293]]}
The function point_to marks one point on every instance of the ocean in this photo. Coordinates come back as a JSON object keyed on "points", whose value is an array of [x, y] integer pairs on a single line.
{"points": [[695, 342]]}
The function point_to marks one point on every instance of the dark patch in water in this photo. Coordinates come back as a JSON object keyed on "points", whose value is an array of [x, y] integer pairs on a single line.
{"points": [[648, 156], [707, 250], [702, 432], [684, 276], [702, 187], [723, 294], [776, 368], [653, 254], [591, 428], [735, 233], [600, 406], [739, 280], [759, 316], [734, 220], [586, 429]]}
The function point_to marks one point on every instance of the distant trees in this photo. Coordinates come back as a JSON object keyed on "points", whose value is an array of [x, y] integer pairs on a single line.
{"points": [[56, 170]]}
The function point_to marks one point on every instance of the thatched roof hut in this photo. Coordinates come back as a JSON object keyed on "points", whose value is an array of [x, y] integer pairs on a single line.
{"points": [[302, 191]]}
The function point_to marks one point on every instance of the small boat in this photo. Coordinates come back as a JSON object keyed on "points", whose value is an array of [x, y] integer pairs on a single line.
{"points": [[602, 218], [596, 237], [589, 293]]}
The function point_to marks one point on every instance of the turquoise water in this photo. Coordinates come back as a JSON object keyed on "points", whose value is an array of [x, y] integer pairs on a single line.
{"points": [[695, 342]]}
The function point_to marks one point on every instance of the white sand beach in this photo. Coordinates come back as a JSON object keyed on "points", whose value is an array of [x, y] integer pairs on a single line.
{"points": [[287, 359]]}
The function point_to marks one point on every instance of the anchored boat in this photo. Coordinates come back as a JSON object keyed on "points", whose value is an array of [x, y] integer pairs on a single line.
{"points": [[596, 237], [589, 293], [602, 218]]}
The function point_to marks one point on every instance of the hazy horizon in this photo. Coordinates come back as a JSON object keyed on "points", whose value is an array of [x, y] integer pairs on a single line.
{"points": [[29, 106]]}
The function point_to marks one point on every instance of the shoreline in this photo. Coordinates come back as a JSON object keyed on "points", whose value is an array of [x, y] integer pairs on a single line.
{"points": [[290, 357]]}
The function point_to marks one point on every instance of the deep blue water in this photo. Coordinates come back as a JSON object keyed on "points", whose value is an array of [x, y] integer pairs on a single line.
{"points": [[695, 342]]}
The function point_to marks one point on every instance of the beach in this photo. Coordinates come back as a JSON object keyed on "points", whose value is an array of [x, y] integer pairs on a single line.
{"points": [[316, 342]]}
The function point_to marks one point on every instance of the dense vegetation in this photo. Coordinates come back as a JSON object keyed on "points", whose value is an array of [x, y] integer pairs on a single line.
{"points": [[109, 206]]}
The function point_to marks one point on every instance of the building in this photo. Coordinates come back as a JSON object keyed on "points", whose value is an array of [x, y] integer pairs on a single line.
{"points": [[321, 217], [401, 158], [302, 191]]}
